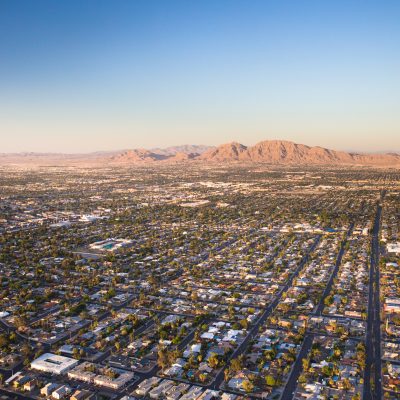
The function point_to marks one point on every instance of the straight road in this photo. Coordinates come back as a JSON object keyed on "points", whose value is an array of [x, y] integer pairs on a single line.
{"points": [[334, 272], [215, 384], [307, 343], [297, 368], [373, 368]]}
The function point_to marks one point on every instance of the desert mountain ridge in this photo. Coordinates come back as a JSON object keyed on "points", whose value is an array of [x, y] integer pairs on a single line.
{"points": [[267, 151], [286, 152]]}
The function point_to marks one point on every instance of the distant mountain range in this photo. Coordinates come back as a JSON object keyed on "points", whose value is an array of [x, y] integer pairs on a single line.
{"points": [[175, 153], [268, 151], [186, 149], [285, 152]]}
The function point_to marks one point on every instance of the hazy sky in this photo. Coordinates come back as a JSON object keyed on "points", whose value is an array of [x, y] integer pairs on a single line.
{"points": [[99, 75]]}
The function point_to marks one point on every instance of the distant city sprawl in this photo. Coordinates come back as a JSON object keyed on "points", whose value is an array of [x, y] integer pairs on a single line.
{"points": [[196, 281]]}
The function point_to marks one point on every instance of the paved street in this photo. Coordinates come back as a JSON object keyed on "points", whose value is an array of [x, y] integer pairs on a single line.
{"points": [[254, 331], [372, 377]]}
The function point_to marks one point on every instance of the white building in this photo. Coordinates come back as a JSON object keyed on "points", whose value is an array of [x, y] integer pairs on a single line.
{"points": [[393, 248], [53, 363], [61, 392]]}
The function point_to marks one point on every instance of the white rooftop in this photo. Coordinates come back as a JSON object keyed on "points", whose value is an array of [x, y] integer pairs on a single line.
{"points": [[393, 247], [53, 363]]}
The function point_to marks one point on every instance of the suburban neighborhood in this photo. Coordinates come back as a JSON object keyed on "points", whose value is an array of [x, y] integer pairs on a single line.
{"points": [[274, 283]]}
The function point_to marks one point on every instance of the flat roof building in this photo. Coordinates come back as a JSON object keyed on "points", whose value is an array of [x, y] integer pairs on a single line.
{"points": [[53, 363]]}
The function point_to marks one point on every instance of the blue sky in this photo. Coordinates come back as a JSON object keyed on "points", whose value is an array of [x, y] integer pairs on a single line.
{"points": [[91, 75]]}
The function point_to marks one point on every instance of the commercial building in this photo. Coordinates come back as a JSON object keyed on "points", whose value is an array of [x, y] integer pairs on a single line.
{"points": [[53, 363]]}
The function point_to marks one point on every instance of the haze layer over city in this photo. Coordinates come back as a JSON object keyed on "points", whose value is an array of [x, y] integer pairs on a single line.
{"points": [[199, 200]]}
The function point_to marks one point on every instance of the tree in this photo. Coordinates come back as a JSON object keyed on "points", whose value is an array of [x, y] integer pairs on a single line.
{"points": [[306, 364], [226, 374], [75, 353], [270, 380], [302, 378], [328, 300], [111, 373], [4, 341], [236, 364], [25, 349], [326, 370], [244, 323], [346, 384], [213, 360], [162, 359], [247, 386], [20, 322]]}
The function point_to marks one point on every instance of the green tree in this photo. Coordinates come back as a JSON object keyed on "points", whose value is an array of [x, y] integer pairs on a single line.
{"points": [[306, 364], [270, 380], [213, 360], [162, 357], [248, 386]]}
